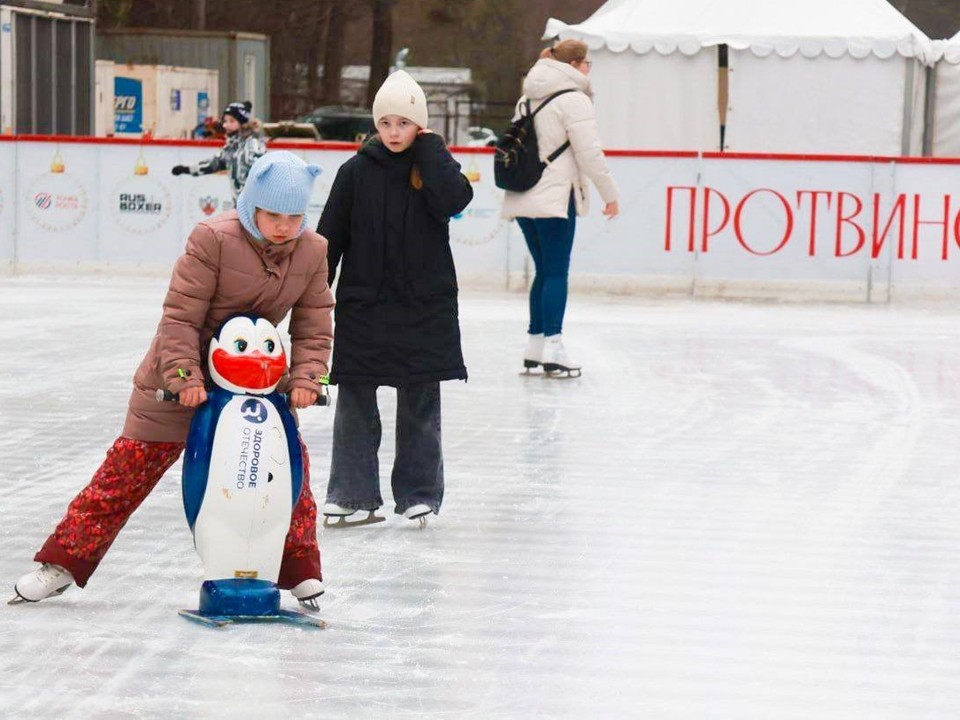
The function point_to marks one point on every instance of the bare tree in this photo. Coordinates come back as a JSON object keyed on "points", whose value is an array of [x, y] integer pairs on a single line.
{"points": [[381, 45], [333, 53]]}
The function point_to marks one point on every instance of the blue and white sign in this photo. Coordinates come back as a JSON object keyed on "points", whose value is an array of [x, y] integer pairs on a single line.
{"points": [[127, 105], [203, 107]]}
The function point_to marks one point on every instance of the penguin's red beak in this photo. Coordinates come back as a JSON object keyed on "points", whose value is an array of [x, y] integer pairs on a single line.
{"points": [[255, 370]]}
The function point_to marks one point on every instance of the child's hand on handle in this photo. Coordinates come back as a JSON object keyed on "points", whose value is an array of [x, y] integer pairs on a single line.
{"points": [[611, 210], [302, 398], [192, 396]]}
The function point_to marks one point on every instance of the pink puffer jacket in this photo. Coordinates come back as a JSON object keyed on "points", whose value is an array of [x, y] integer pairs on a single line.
{"points": [[225, 271]]}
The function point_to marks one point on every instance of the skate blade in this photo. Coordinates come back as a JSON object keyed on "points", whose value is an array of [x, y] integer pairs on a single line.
{"points": [[289, 617], [561, 374], [342, 522], [18, 598], [310, 605]]}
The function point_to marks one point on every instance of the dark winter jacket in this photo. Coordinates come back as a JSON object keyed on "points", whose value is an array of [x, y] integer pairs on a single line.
{"points": [[396, 319]]}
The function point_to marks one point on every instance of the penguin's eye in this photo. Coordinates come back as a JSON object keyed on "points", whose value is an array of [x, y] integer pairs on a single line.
{"points": [[270, 345], [240, 345]]}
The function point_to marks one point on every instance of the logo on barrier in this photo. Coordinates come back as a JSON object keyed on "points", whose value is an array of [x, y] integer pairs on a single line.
{"points": [[208, 204], [139, 203], [253, 411], [480, 223], [207, 195], [56, 200]]}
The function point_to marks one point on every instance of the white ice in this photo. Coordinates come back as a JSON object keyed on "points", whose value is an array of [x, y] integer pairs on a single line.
{"points": [[739, 511]]}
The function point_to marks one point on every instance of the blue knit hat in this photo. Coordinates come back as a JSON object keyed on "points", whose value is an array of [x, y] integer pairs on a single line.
{"points": [[279, 182]]}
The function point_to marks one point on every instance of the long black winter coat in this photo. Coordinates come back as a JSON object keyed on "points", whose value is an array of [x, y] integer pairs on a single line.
{"points": [[396, 318]]}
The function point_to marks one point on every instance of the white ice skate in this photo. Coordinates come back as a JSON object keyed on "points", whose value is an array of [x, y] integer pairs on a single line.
{"points": [[307, 593], [332, 511], [533, 354], [48, 580], [418, 512], [556, 362]]}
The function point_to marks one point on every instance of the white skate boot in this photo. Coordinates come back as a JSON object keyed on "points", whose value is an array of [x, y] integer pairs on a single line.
{"points": [[418, 512], [307, 593], [46, 581], [332, 511], [533, 354], [556, 362]]}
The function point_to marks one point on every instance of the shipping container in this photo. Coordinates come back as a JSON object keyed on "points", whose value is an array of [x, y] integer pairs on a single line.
{"points": [[241, 59], [157, 100], [46, 68]]}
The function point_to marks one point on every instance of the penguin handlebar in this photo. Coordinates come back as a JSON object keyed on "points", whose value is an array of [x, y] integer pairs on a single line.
{"points": [[164, 395]]}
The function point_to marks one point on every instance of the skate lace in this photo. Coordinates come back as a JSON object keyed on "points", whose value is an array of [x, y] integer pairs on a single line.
{"points": [[49, 574]]}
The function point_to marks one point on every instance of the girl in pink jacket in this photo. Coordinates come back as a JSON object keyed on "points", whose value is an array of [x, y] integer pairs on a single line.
{"points": [[262, 259]]}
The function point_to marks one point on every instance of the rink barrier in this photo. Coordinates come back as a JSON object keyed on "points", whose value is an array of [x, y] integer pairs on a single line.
{"points": [[826, 227]]}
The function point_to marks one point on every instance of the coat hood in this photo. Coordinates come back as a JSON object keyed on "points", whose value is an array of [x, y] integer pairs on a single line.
{"points": [[548, 76], [374, 148]]}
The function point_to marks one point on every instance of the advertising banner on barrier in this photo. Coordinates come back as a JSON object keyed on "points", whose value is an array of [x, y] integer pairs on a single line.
{"points": [[718, 225]]}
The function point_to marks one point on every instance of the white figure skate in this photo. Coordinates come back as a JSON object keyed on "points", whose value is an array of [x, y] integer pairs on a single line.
{"points": [[556, 362], [48, 580], [332, 511], [532, 356], [307, 593], [418, 512]]}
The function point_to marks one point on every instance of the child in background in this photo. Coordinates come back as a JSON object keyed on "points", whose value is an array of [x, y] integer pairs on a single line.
{"points": [[397, 324], [244, 145], [262, 259]]}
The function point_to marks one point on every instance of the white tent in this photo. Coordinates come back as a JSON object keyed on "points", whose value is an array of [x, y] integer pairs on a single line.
{"points": [[810, 76], [945, 140]]}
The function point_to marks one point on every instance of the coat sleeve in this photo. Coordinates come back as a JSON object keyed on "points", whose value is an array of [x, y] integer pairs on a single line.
{"points": [[446, 190], [311, 331], [192, 286], [580, 122], [334, 222], [206, 167]]}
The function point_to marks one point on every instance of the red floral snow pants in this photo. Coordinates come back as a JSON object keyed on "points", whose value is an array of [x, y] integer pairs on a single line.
{"points": [[130, 471]]}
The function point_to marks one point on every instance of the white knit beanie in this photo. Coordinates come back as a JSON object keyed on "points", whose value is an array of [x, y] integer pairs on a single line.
{"points": [[279, 182], [400, 95]]}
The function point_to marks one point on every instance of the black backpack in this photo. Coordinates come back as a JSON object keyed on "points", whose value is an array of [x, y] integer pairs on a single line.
{"points": [[516, 162]]}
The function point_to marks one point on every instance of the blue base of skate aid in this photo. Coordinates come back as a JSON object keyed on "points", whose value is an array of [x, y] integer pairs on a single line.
{"points": [[223, 602]]}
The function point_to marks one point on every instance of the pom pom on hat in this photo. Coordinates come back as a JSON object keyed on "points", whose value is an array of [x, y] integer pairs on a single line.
{"points": [[279, 182], [239, 111], [401, 95]]}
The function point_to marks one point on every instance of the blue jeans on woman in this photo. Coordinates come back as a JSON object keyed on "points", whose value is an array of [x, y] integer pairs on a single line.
{"points": [[418, 464], [550, 241]]}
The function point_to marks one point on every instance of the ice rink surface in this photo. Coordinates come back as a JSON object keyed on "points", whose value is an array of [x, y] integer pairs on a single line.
{"points": [[739, 511]]}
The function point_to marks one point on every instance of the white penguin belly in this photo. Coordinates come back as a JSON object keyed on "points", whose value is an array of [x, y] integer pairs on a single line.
{"points": [[245, 513]]}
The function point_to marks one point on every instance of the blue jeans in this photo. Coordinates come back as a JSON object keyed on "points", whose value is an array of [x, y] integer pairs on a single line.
{"points": [[550, 241], [418, 465]]}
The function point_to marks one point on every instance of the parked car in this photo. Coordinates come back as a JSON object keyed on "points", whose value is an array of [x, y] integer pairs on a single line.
{"points": [[339, 122], [481, 137]]}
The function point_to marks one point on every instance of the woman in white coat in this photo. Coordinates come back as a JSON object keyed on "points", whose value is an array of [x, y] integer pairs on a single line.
{"points": [[547, 212]]}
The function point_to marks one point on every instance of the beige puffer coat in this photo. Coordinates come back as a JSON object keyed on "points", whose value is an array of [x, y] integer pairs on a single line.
{"points": [[222, 272], [569, 116]]}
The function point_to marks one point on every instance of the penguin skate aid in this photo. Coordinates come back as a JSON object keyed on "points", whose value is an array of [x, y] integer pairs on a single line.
{"points": [[248, 260], [397, 307], [242, 475]]}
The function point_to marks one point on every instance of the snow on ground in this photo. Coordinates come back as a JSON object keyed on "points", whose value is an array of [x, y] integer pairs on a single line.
{"points": [[739, 511]]}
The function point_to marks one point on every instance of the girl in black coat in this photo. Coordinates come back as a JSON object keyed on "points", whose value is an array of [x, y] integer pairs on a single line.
{"points": [[396, 319]]}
